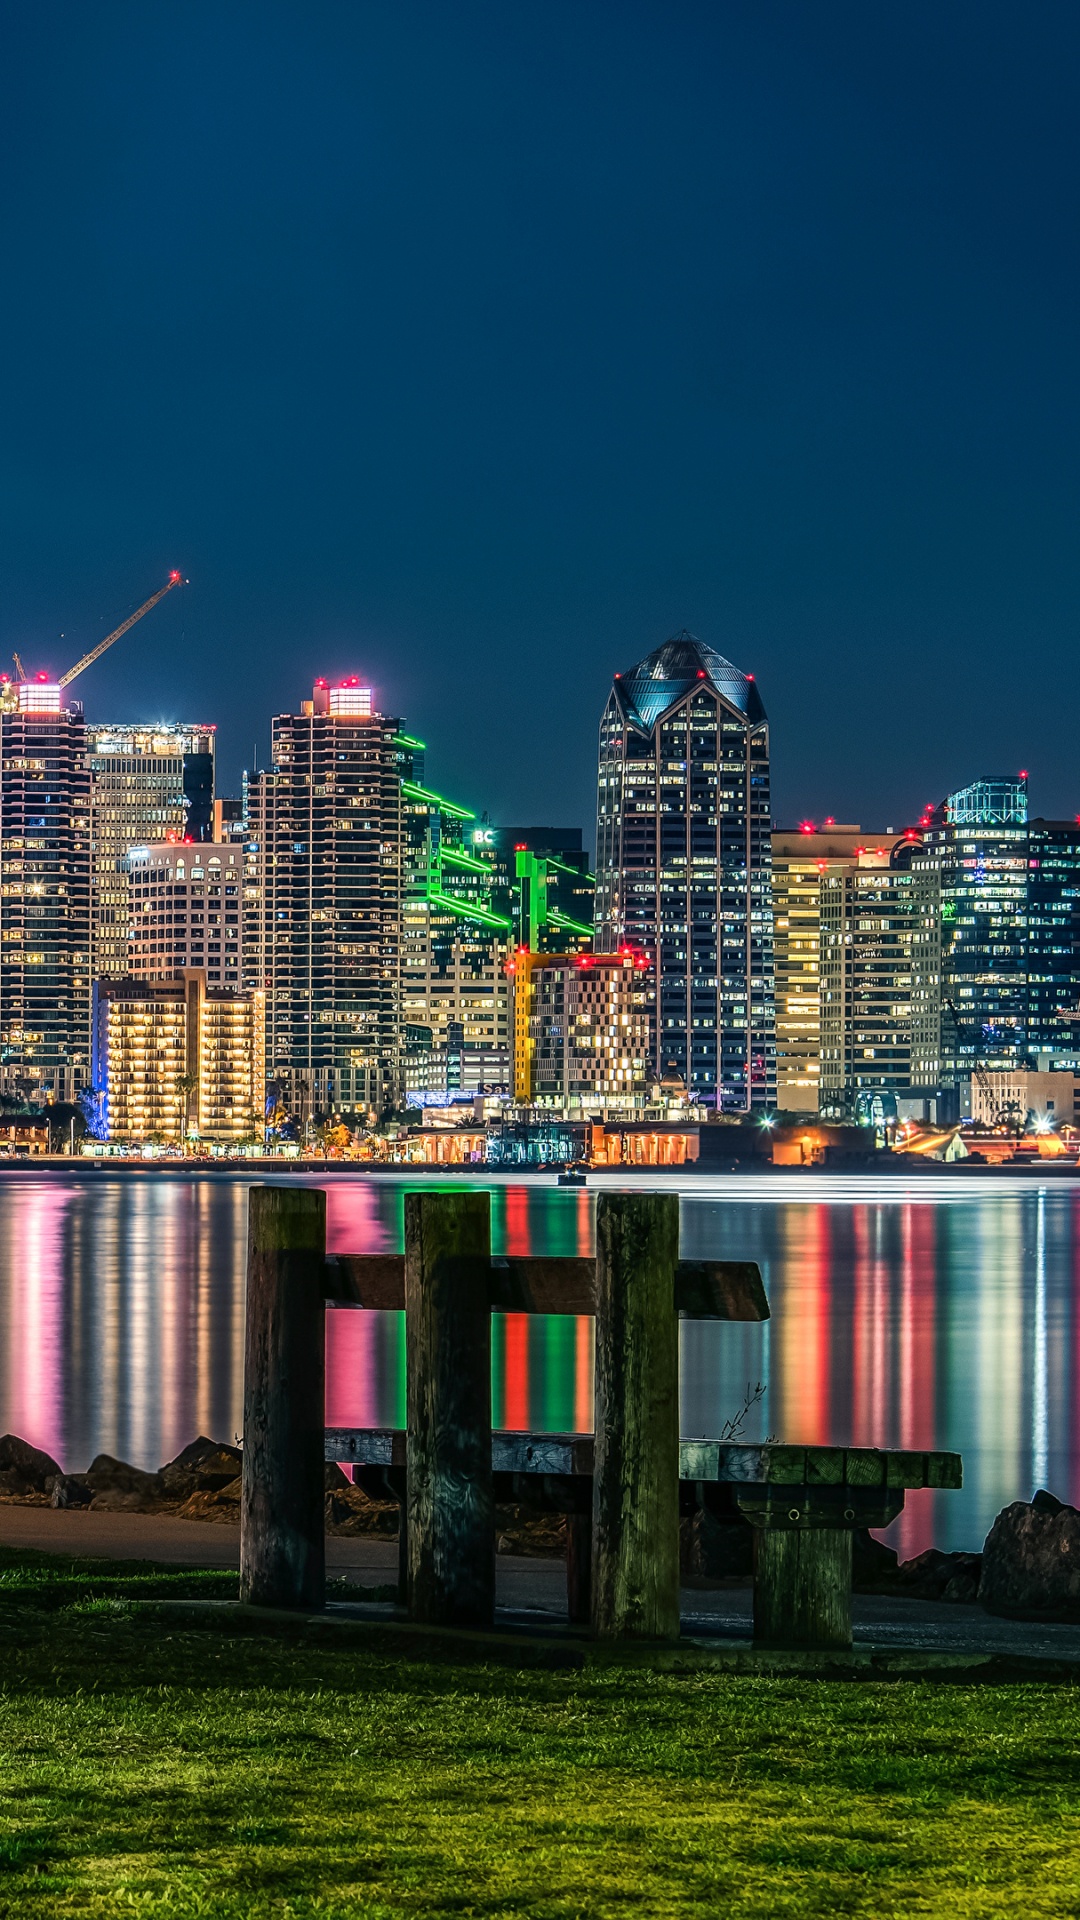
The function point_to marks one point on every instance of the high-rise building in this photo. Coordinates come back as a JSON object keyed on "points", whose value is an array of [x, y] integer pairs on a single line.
{"points": [[1053, 942], [542, 882], [871, 915], [454, 935], [147, 784], [44, 894], [977, 839], [179, 1059], [683, 866], [186, 910], [801, 858], [581, 1031], [324, 901]]}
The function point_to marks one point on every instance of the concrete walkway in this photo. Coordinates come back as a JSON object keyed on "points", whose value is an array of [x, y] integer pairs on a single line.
{"points": [[530, 1592]]}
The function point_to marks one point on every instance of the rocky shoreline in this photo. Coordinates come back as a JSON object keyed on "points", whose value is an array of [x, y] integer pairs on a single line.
{"points": [[1029, 1566]]}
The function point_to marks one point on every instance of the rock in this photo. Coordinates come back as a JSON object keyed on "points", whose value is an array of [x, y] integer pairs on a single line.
{"points": [[116, 1500], [109, 1477], [13, 1484], [70, 1490], [522, 1530], [18, 1456], [350, 1510], [1031, 1560], [204, 1467], [873, 1564], [935, 1575], [221, 1504], [711, 1548]]}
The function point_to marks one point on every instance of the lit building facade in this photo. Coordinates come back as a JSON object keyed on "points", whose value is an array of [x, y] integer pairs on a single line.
{"points": [[186, 910], [977, 840], [323, 905], [870, 920], [543, 884], [454, 937], [581, 1030], [179, 1060], [45, 922], [683, 866], [147, 784], [802, 858], [1053, 941]]}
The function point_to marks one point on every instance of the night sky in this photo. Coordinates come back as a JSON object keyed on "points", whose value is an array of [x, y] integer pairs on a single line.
{"points": [[477, 348]]}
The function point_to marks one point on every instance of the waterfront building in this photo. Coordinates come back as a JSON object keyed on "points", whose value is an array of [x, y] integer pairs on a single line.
{"points": [[455, 936], [683, 866], [977, 841], [186, 910], [45, 922], [1053, 942], [323, 909], [147, 783], [437, 1076], [178, 1060], [581, 1030], [870, 916], [802, 857], [1023, 1101]]}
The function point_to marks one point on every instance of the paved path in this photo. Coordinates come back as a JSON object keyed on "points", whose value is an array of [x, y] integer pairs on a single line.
{"points": [[527, 1588]]}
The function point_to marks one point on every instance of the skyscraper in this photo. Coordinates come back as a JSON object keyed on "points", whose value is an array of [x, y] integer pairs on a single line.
{"points": [[147, 784], [802, 857], [1053, 942], [45, 895], [454, 937], [873, 911], [683, 865], [323, 905], [978, 841]]}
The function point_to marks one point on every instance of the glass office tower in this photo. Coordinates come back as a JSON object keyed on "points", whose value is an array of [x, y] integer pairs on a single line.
{"points": [[978, 841], [683, 866]]}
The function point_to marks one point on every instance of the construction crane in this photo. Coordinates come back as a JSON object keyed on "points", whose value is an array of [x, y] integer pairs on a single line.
{"points": [[20, 670], [174, 580]]}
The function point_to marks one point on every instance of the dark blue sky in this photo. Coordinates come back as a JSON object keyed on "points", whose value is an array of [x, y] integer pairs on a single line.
{"points": [[477, 348]]}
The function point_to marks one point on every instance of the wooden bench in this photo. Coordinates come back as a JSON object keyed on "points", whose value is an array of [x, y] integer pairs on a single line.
{"points": [[803, 1502], [620, 1490]]}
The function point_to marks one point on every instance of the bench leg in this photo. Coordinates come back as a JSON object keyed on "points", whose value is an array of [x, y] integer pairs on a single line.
{"points": [[579, 1568], [802, 1587]]}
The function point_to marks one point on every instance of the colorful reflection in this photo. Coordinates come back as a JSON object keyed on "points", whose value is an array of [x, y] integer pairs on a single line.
{"points": [[933, 1317]]}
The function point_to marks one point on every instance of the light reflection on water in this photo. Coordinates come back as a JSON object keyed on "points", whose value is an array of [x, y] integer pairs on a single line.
{"points": [[940, 1316]]}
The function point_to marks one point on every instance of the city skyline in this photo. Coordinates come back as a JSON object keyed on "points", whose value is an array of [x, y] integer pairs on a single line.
{"points": [[755, 327]]}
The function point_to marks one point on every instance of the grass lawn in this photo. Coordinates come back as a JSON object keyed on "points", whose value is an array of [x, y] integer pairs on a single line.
{"points": [[149, 1770]]}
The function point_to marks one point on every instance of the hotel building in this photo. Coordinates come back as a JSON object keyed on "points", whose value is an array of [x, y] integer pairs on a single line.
{"points": [[186, 910], [147, 784], [179, 1060], [323, 909]]}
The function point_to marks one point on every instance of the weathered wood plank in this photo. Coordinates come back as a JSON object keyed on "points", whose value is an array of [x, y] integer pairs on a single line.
{"points": [[282, 1561], [636, 1472], [720, 1290], [802, 1588], [704, 1289], [735, 1464], [451, 1515]]}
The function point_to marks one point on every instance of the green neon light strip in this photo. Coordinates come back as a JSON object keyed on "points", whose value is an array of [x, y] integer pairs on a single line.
{"points": [[563, 921], [408, 740], [452, 857], [436, 800], [563, 868], [467, 912]]}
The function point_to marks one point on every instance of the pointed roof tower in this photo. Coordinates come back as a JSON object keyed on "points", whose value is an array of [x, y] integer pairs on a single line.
{"points": [[670, 672]]}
